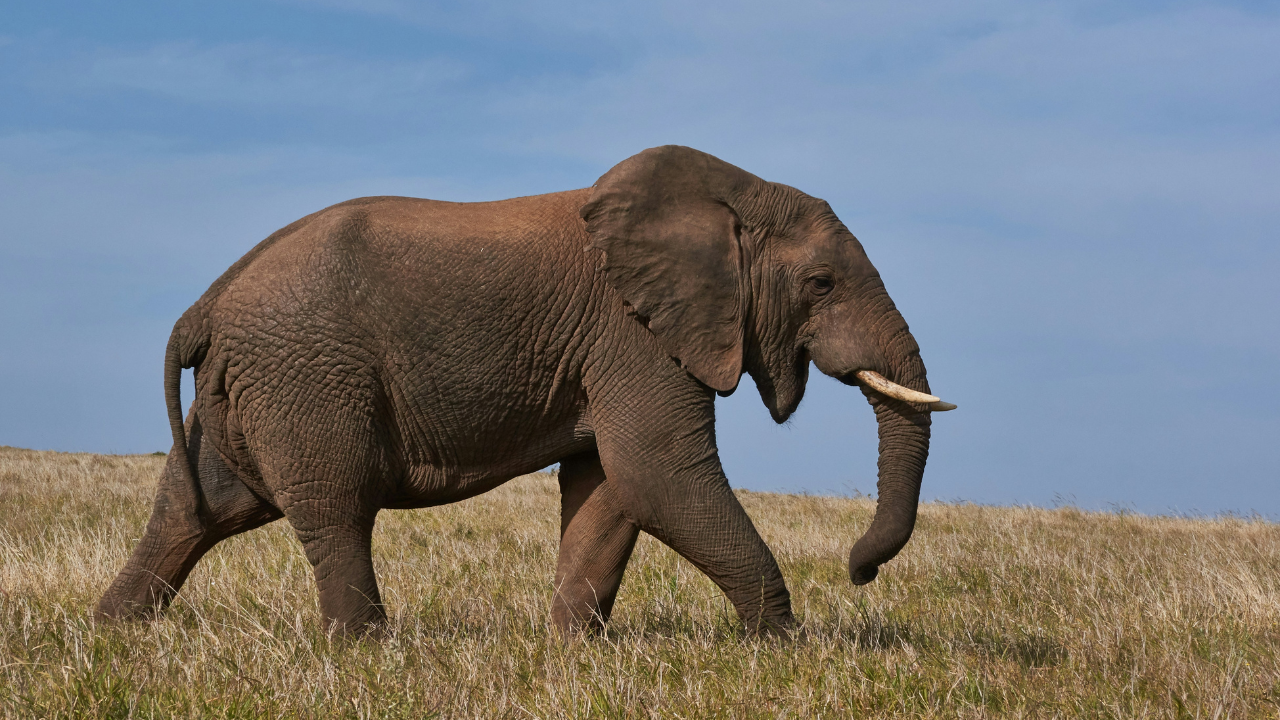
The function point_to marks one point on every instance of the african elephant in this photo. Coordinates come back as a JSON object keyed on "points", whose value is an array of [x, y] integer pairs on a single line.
{"points": [[394, 352]]}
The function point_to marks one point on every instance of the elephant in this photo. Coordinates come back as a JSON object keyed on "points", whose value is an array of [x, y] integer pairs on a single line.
{"points": [[392, 352]]}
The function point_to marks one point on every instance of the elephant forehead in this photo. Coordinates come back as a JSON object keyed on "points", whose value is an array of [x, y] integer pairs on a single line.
{"points": [[836, 248]]}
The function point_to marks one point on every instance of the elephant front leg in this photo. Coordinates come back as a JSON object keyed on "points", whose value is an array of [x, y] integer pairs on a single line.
{"points": [[596, 541], [662, 462], [702, 520]]}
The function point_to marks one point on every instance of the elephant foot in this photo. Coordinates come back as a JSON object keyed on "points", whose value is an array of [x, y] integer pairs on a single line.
{"points": [[781, 627], [586, 621], [375, 630], [156, 570], [114, 611]]}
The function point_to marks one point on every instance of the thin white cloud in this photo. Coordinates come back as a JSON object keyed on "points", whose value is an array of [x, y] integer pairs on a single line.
{"points": [[547, 19], [249, 75], [1039, 117]]}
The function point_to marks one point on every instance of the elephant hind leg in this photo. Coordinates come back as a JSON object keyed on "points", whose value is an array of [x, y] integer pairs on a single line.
{"points": [[170, 547], [341, 556], [175, 539], [596, 542]]}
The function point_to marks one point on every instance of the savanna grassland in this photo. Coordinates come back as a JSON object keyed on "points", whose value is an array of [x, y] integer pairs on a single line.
{"points": [[989, 612]]}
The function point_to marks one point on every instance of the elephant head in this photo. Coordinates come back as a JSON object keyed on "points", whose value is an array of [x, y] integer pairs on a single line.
{"points": [[734, 274]]}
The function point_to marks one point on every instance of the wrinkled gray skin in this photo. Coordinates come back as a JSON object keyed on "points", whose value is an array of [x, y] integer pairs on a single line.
{"points": [[400, 353]]}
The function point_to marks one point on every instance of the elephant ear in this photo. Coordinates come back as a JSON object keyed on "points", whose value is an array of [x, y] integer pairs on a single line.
{"points": [[666, 223]]}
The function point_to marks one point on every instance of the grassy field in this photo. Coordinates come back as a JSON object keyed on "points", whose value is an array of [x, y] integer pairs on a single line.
{"points": [[989, 612]]}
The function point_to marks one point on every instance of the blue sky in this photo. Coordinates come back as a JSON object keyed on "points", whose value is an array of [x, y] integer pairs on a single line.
{"points": [[1074, 204]]}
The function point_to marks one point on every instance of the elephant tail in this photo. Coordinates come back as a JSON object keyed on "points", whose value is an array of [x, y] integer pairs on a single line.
{"points": [[188, 344]]}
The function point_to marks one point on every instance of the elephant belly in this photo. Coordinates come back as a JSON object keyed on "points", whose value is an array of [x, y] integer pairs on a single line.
{"points": [[434, 481], [467, 430]]}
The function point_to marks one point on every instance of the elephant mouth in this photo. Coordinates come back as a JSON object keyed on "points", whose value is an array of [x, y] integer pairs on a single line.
{"points": [[791, 400], [883, 385]]}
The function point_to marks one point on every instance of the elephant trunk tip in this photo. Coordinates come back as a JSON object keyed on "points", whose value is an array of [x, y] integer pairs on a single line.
{"points": [[879, 545], [861, 574]]}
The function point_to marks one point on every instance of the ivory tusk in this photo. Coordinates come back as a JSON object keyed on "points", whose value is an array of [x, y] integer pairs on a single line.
{"points": [[883, 385]]}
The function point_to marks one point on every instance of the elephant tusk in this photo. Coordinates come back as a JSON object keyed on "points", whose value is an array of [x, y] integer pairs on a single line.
{"points": [[883, 385]]}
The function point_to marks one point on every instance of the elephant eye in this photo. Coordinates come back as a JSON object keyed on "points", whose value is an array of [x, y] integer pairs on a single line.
{"points": [[820, 285]]}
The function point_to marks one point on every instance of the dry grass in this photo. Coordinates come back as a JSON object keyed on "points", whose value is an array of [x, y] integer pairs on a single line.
{"points": [[1015, 612]]}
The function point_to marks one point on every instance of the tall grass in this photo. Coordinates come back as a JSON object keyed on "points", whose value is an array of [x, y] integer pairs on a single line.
{"points": [[989, 612]]}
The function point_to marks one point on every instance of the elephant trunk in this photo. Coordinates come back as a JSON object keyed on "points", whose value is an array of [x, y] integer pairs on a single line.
{"points": [[904, 448]]}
